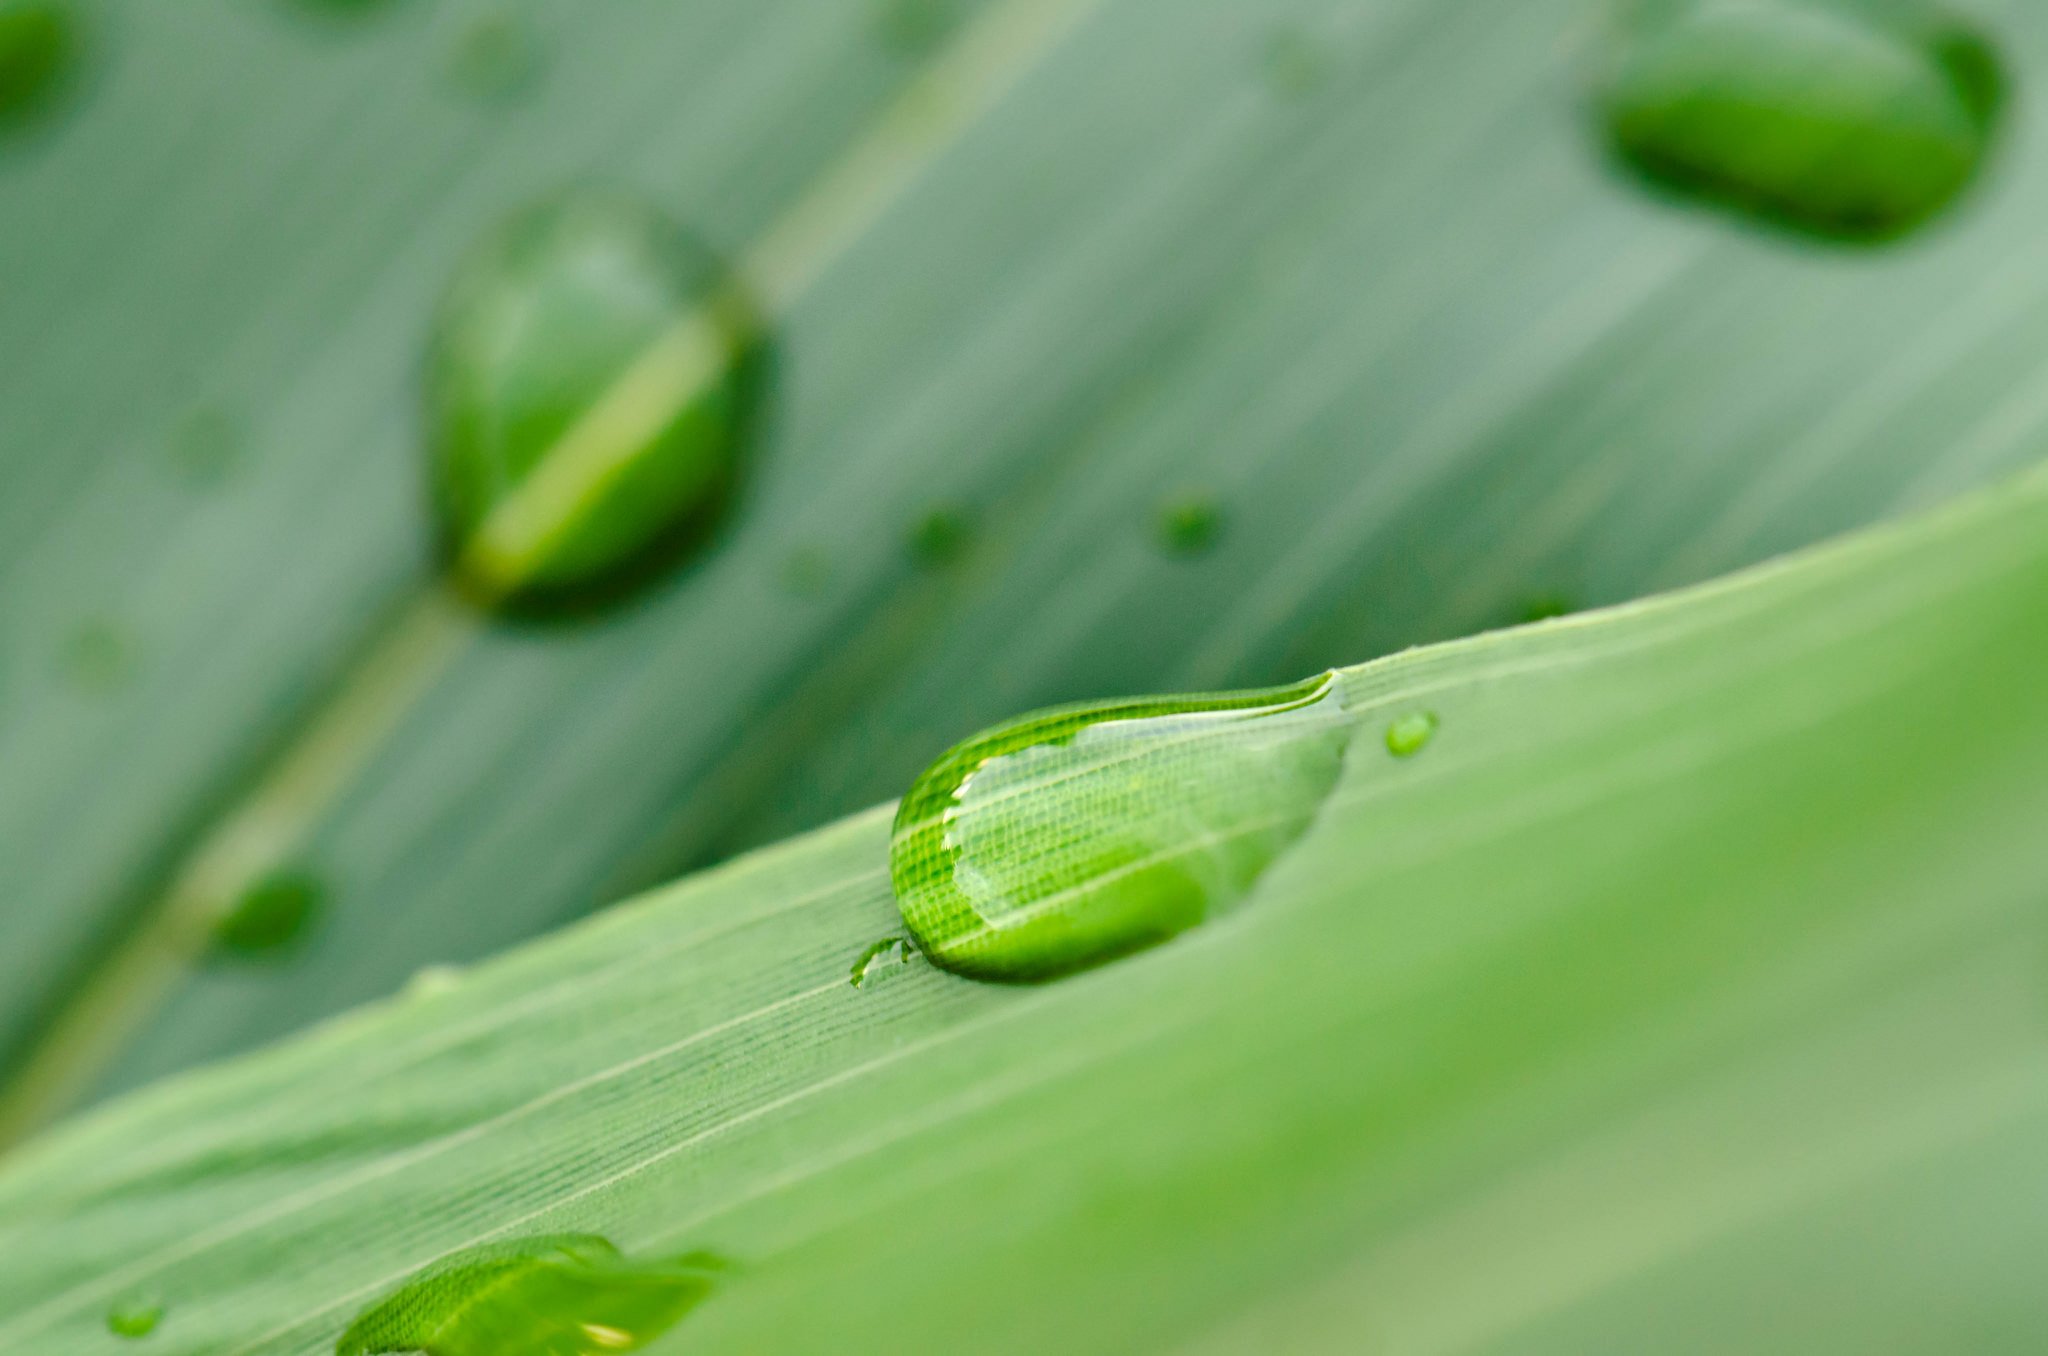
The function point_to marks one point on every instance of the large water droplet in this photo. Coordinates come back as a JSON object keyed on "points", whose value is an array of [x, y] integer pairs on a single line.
{"points": [[38, 41], [594, 380], [270, 917], [135, 1317], [1855, 119], [555, 1295], [1075, 835]]}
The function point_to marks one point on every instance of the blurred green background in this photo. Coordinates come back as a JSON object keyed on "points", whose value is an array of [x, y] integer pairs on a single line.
{"points": [[1148, 344]]}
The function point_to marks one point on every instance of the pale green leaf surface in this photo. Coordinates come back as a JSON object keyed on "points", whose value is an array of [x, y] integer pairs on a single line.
{"points": [[1430, 358], [1686, 993]]}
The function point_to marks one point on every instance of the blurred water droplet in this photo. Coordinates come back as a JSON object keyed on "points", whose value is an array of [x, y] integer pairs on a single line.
{"points": [[1408, 735], [1544, 606], [940, 538], [891, 953], [134, 1318], [1190, 526], [497, 55], [430, 981], [915, 27], [1848, 119], [207, 446], [1073, 836], [270, 917], [555, 1295], [39, 42], [594, 380], [807, 572], [100, 657], [1295, 62]]}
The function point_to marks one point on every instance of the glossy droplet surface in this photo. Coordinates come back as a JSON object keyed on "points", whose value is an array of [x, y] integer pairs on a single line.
{"points": [[38, 42], [1852, 119], [594, 381], [270, 917], [880, 958], [134, 1318], [555, 1295], [1072, 836], [1408, 735]]}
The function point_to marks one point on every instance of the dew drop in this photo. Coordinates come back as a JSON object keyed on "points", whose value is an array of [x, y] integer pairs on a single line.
{"points": [[1408, 735], [431, 981], [941, 537], [1072, 836], [1190, 526], [880, 958], [99, 657], [1846, 119], [1544, 606], [134, 1318], [270, 917], [38, 44], [593, 383], [496, 56], [554, 1295]]}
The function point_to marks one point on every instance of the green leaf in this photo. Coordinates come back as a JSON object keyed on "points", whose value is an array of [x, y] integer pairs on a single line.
{"points": [[1684, 993]]}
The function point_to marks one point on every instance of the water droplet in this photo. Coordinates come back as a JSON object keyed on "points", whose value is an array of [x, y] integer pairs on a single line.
{"points": [[891, 953], [1846, 120], [556, 1295], [1544, 606], [1407, 736], [496, 56], [941, 537], [915, 27], [807, 572], [1295, 63], [206, 447], [594, 380], [1190, 526], [135, 1318], [1072, 836], [100, 657], [270, 916], [38, 43], [430, 981]]}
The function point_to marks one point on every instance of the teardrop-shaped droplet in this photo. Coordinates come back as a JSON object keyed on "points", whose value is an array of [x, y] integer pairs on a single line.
{"points": [[1854, 119], [1079, 834], [270, 917], [594, 381], [554, 1295], [891, 953], [38, 42], [135, 1317]]}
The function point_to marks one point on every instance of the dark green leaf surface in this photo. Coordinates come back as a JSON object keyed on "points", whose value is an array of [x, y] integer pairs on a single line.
{"points": [[1380, 302], [1684, 994]]}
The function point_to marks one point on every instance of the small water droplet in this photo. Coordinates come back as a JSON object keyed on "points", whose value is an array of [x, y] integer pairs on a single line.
{"points": [[1295, 63], [135, 1317], [430, 981], [807, 572], [1544, 606], [270, 916], [1848, 121], [941, 537], [555, 1295], [1076, 835], [100, 657], [1190, 526], [38, 45], [206, 447], [915, 27], [594, 381], [1407, 736], [891, 953], [496, 56]]}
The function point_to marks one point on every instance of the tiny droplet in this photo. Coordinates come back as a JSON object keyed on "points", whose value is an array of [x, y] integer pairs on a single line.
{"points": [[881, 957], [1190, 526], [1070, 837], [135, 1318], [941, 537], [593, 383], [1849, 121], [270, 916], [1544, 606], [1408, 735]]}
